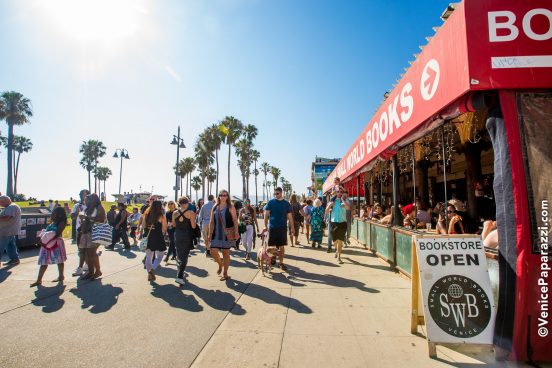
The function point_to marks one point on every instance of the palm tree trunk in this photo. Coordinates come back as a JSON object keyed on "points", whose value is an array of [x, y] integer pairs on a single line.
{"points": [[265, 189], [256, 193], [89, 185], [216, 158], [16, 173], [229, 155], [9, 189], [181, 188], [203, 185]]}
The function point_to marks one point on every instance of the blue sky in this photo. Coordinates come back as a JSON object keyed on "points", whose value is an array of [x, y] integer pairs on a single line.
{"points": [[308, 73]]}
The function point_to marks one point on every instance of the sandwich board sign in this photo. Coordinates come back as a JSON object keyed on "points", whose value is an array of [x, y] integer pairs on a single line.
{"points": [[456, 292]]}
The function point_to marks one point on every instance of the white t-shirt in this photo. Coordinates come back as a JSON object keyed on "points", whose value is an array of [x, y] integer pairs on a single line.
{"points": [[78, 208]]}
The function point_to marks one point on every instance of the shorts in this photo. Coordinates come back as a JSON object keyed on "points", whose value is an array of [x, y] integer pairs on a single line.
{"points": [[85, 241], [277, 237], [338, 230], [296, 226], [205, 231]]}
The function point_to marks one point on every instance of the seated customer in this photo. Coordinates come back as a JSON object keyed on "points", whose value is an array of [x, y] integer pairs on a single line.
{"points": [[377, 212], [490, 234], [409, 212], [422, 214], [455, 225]]}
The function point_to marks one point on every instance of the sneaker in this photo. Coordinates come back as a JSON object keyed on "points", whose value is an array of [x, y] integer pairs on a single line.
{"points": [[13, 262], [180, 281], [77, 272], [110, 247], [329, 250]]}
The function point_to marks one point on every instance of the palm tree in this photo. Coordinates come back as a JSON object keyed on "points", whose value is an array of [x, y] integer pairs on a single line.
{"points": [[243, 152], [91, 151], [255, 155], [189, 167], [103, 173], [203, 158], [265, 168], [196, 184], [282, 182], [211, 177], [215, 136], [231, 128], [275, 174], [16, 109], [20, 145]]}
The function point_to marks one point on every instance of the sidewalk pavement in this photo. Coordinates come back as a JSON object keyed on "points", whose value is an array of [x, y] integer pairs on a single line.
{"points": [[317, 314]]}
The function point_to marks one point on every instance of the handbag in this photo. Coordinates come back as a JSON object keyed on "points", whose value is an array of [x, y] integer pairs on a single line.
{"points": [[102, 233], [229, 231], [144, 241]]}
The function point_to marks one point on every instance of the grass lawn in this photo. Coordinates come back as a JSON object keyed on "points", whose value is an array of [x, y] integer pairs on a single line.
{"points": [[67, 231]]}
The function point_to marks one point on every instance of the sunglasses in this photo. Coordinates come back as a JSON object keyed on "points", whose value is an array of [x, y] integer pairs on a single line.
{"points": [[277, 193], [223, 195]]}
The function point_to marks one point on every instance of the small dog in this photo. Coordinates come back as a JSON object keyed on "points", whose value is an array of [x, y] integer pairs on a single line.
{"points": [[265, 255]]}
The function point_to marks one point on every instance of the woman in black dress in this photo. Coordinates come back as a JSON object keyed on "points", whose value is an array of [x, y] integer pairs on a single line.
{"points": [[171, 207], [155, 230], [183, 221]]}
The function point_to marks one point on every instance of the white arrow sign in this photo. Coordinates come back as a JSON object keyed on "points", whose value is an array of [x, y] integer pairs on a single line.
{"points": [[430, 79]]}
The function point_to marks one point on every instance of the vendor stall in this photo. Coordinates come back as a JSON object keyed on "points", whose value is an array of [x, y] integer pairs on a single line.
{"points": [[475, 107]]}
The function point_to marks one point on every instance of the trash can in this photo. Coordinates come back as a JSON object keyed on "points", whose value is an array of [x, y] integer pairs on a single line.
{"points": [[33, 219]]}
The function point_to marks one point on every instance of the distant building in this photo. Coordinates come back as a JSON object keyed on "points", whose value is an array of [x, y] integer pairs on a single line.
{"points": [[321, 168]]}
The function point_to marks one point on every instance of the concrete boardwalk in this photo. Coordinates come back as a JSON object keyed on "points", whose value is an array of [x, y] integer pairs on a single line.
{"points": [[317, 314]]}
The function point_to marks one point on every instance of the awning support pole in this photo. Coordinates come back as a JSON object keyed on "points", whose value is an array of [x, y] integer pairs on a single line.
{"points": [[414, 176], [444, 174], [396, 211], [358, 193]]}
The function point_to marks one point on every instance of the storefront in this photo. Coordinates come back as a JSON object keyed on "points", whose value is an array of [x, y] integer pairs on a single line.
{"points": [[471, 119]]}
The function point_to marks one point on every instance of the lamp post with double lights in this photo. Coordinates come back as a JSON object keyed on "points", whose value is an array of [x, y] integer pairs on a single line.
{"points": [[179, 143], [124, 155]]}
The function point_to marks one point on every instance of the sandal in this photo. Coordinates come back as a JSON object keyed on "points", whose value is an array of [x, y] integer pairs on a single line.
{"points": [[223, 278], [219, 271], [36, 283], [59, 279]]}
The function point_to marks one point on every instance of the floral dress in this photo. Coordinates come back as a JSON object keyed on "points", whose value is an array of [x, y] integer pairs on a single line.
{"points": [[54, 255], [317, 218]]}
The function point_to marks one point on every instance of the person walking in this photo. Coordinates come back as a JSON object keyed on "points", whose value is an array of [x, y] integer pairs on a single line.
{"points": [[119, 230], [317, 221], [79, 208], [171, 207], [307, 215], [349, 214], [134, 222], [277, 214], [93, 214], [183, 222], [337, 209], [10, 224], [248, 218], [54, 251], [111, 214], [204, 218], [296, 213], [155, 228], [223, 232]]}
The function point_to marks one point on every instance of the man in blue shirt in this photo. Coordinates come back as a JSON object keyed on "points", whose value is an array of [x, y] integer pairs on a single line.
{"points": [[337, 209], [205, 219], [276, 216]]}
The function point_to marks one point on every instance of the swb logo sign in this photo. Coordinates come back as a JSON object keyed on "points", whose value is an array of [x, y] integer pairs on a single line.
{"points": [[455, 289], [459, 306]]}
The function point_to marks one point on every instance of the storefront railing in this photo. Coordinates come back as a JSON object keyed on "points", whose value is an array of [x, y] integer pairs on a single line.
{"points": [[394, 245]]}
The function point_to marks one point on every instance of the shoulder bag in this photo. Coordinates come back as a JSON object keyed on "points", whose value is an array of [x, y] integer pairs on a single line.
{"points": [[229, 231], [144, 241]]}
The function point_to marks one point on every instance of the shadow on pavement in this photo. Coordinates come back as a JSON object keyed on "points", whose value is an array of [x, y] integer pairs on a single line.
{"points": [[128, 253], [199, 272], [267, 295], [95, 295], [173, 295], [311, 260], [377, 267], [332, 280], [4, 273], [49, 298], [217, 299]]}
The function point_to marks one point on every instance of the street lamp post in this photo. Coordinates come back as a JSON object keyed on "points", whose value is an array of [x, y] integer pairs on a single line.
{"points": [[179, 143], [124, 155]]}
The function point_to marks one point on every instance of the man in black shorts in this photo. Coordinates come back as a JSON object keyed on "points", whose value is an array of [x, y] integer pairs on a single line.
{"points": [[276, 216]]}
